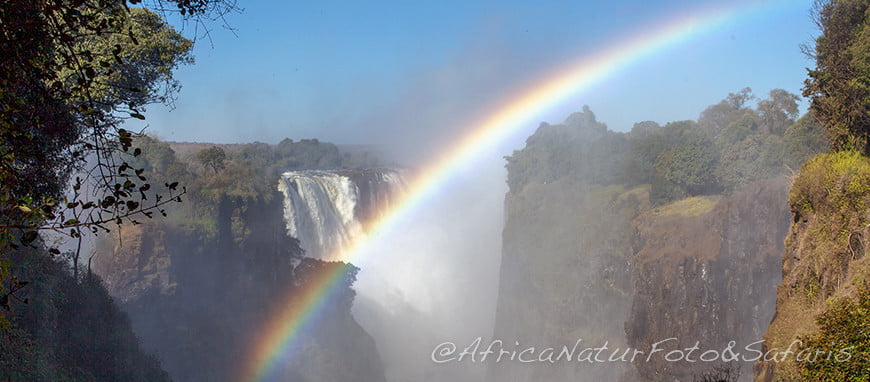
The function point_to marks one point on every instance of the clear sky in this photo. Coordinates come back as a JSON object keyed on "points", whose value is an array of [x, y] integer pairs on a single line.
{"points": [[386, 72]]}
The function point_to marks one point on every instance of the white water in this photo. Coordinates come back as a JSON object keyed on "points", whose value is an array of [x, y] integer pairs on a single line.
{"points": [[433, 279], [321, 208]]}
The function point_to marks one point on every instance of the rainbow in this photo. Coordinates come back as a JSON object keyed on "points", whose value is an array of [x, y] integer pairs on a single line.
{"points": [[301, 307]]}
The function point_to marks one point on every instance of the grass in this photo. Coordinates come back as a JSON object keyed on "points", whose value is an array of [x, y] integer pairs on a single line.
{"points": [[691, 206]]}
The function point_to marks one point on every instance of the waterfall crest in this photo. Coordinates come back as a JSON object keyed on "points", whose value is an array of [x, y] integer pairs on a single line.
{"points": [[327, 210]]}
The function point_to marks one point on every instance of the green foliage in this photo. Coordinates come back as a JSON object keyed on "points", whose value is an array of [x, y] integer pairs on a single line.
{"points": [[688, 165], [835, 184], [70, 330], [676, 159], [647, 142], [159, 161], [804, 139], [840, 351], [212, 157], [731, 145], [720, 115], [98, 62], [70, 74], [778, 111], [746, 161], [738, 129], [839, 85], [765, 142], [662, 191], [581, 148], [307, 153], [131, 65]]}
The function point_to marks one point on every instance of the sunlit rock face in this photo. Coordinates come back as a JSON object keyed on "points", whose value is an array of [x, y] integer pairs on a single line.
{"points": [[587, 258], [599, 264], [327, 210], [708, 279]]}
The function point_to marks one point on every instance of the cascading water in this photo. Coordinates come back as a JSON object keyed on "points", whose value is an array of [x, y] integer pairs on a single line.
{"points": [[325, 210], [427, 282]]}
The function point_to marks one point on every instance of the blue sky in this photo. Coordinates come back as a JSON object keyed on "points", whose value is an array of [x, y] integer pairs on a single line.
{"points": [[379, 72]]}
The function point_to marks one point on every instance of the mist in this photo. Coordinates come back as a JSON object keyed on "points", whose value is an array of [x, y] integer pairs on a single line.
{"points": [[433, 278], [628, 184]]}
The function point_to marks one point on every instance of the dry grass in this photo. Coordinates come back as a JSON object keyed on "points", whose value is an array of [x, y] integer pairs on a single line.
{"points": [[692, 206]]}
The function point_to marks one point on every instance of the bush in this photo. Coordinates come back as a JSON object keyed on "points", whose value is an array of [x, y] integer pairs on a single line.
{"points": [[833, 183], [839, 352]]}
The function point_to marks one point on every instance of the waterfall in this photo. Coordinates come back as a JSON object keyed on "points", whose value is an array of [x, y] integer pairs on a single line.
{"points": [[327, 210], [431, 277]]}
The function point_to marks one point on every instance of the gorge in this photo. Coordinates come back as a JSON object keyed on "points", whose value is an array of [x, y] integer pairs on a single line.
{"points": [[598, 245]]}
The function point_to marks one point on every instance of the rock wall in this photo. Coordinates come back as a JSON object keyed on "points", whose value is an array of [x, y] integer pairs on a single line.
{"points": [[824, 258], [708, 278], [600, 264], [197, 297], [565, 276]]}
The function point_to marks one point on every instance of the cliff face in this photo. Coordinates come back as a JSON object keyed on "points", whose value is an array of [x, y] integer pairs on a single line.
{"points": [[197, 297], [707, 277], [824, 258], [586, 256], [599, 264], [64, 328], [565, 276]]}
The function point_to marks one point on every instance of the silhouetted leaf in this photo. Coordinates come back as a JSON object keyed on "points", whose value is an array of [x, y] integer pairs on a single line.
{"points": [[29, 237]]}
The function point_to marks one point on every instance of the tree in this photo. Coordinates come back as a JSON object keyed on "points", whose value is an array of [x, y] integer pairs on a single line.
{"points": [[71, 71], [746, 161], [677, 160], [778, 111], [581, 149], [804, 139], [720, 115], [87, 66], [212, 157], [839, 85], [689, 165], [739, 129]]}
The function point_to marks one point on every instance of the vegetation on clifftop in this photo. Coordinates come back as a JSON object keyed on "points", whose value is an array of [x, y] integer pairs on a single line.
{"points": [[824, 267], [730, 145], [823, 297], [226, 249], [840, 351]]}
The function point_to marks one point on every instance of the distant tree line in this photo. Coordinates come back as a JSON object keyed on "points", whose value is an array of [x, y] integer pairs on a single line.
{"points": [[229, 176]]}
